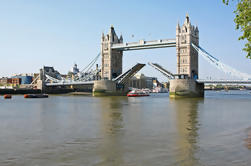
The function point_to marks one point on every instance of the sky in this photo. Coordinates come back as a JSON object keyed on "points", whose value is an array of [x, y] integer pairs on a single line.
{"points": [[59, 33]]}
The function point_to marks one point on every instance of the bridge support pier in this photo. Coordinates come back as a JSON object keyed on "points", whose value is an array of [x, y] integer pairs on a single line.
{"points": [[41, 81], [108, 88], [185, 88]]}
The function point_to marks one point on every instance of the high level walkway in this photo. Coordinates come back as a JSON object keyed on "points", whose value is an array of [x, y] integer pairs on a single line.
{"points": [[162, 43]]}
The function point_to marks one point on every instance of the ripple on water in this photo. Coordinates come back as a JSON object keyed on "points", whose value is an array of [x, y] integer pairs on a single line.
{"points": [[248, 140]]}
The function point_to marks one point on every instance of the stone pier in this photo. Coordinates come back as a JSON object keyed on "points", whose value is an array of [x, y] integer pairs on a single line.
{"points": [[108, 88], [185, 88]]}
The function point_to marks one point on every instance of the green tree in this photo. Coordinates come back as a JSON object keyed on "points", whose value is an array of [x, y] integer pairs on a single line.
{"points": [[243, 22]]}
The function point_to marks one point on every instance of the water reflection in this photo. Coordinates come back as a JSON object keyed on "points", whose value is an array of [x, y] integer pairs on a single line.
{"points": [[187, 126], [248, 140], [112, 125], [125, 131], [111, 114]]}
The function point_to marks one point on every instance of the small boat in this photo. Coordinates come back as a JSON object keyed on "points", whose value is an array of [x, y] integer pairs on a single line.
{"points": [[7, 96], [137, 93], [36, 96]]}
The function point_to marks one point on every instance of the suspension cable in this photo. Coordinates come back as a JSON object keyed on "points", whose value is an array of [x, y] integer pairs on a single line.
{"points": [[221, 66], [90, 65]]}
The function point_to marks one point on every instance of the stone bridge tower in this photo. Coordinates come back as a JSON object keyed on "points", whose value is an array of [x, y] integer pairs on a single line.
{"points": [[187, 56], [111, 59]]}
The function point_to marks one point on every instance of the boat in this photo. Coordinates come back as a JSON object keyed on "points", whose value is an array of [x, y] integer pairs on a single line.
{"points": [[7, 96], [137, 93], [36, 96]]}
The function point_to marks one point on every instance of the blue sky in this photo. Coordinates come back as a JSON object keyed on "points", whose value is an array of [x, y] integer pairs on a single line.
{"points": [[60, 33]]}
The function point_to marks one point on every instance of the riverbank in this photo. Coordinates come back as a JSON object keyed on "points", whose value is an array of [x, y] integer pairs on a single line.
{"points": [[38, 91], [20, 91], [73, 92]]}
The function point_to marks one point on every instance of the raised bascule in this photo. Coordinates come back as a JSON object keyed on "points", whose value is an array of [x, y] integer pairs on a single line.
{"points": [[111, 80]]}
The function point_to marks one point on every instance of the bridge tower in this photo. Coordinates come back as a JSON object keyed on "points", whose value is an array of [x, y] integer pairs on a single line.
{"points": [[185, 84], [187, 56], [111, 59], [41, 80]]}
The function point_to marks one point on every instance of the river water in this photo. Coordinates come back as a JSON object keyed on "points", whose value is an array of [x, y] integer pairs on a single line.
{"points": [[121, 131]]}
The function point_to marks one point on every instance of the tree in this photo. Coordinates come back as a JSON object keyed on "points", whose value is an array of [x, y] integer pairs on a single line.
{"points": [[243, 22]]}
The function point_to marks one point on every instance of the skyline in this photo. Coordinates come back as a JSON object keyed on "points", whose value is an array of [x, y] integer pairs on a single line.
{"points": [[61, 33]]}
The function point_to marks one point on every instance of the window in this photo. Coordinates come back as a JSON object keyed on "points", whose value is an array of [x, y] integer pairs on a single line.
{"points": [[106, 56]]}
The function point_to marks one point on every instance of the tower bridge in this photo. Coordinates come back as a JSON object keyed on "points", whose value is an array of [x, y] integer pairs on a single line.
{"points": [[112, 48], [112, 81]]}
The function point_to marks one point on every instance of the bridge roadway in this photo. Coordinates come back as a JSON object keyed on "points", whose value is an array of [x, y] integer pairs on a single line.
{"points": [[70, 83], [162, 43]]}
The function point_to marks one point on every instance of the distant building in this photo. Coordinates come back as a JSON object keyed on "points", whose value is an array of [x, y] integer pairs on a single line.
{"points": [[141, 81], [75, 69], [23, 79], [51, 72], [5, 81], [73, 72], [165, 85], [10, 81], [156, 83], [16, 81]]}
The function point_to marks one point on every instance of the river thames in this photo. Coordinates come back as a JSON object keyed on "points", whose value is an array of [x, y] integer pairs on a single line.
{"points": [[122, 131]]}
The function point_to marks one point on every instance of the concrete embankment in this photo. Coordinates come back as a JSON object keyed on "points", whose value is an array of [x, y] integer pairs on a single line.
{"points": [[107, 88]]}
